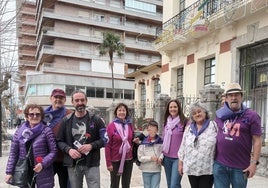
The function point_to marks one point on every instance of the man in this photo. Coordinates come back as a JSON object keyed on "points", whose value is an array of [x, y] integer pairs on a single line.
{"points": [[53, 117], [80, 137], [239, 132]]}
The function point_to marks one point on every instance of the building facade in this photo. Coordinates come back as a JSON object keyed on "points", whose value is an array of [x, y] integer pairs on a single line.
{"points": [[68, 33], [26, 26], [214, 42]]}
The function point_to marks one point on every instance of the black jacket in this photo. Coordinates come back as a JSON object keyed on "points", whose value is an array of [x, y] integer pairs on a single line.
{"points": [[65, 139]]}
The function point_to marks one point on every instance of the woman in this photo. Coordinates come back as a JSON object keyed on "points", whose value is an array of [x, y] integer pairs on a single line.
{"points": [[174, 125], [118, 151], [36, 136], [197, 149], [149, 153]]}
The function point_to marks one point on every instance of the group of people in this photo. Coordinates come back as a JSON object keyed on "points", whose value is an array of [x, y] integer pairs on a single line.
{"points": [[209, 151], [222, 152]]}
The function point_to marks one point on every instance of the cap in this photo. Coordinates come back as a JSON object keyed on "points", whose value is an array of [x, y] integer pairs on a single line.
{"points": [[58, 92], [153, 123], [233, 88]]}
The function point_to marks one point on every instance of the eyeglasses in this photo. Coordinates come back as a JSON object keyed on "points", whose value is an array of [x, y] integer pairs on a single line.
{"points": [[34, 114]]}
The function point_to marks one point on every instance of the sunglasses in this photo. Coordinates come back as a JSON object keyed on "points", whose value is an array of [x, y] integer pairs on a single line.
{"points": [[34, 115]]}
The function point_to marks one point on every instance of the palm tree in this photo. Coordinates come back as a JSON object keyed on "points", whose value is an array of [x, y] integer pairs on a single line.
{"points": [[111, 44]]}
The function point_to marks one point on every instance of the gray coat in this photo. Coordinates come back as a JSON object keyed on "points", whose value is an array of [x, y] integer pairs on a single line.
{"points": [[44, 145]]}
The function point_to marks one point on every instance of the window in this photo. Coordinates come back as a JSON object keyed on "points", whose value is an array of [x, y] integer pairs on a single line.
{"points": [[91, 92], [85, 66], [44, 89], [100, 92], [82, 88], [140, 6], [209, 76], [210, 8], [128, 94], [31, 90], [109, 93], [69, 89], [157, 88], [262, 75], [254, 67], [118, 93], [179, 82]]}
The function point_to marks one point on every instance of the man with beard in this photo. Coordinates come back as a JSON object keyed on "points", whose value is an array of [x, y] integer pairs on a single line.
{"points": [[239, 131], [53, 117], [80, 137]]}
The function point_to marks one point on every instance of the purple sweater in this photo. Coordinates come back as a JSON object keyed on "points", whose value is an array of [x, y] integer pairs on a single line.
{"points": [[44, 145], [175, 142]]}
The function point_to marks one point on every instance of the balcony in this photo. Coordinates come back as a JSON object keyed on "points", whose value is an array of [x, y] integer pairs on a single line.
{"points": [[49, 14], [209, 16], [48, 52], [26, 42], [49, 34], [120, 9]]}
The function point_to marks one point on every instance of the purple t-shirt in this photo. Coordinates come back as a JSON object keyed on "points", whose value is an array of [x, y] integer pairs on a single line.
{"points": [[175, 141], [234, 139]]}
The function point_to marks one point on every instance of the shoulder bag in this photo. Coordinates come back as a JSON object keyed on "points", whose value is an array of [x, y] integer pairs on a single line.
{"points": [[20, 174]]}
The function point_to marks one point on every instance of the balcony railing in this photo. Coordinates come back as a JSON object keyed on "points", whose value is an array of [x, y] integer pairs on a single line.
{"points": [[98, 21], [203, 16], [89, 54]]}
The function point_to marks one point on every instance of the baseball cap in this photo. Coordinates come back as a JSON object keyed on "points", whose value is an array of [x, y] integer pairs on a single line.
{"points": [[58, 92]]}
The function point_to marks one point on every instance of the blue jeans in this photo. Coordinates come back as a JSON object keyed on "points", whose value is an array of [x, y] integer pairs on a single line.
{"points": [[172, 174], [225, 176], [76, 176], [151, 179]]}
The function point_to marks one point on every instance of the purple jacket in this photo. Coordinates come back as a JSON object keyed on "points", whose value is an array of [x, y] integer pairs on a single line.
{"points": [[44, 145]]}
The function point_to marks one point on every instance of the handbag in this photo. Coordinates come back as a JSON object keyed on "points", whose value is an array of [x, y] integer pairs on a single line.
{"points": [[21, 173]]}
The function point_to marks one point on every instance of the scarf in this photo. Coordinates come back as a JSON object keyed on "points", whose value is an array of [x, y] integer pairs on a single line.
{"points": [[171, 124], [148, 141], [122, 129], [193, 128], [26, 133], [225, 112], [53, 117]]}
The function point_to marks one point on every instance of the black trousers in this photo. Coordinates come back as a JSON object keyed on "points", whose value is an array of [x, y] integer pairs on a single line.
{"points": [[62, 174], [126, 176], [204, 181]]}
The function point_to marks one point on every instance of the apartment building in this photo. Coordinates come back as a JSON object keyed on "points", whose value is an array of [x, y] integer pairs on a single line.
{"points": [[26, 27], [68, 33], [212, 42]]}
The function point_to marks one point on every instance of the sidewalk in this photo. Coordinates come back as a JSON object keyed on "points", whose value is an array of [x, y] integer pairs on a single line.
{"points": [[136, 181]]}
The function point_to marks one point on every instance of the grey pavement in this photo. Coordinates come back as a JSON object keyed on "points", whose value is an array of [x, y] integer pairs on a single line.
{"points": [[136, 181]]}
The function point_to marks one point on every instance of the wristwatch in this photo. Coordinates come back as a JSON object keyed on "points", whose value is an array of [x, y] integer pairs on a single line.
{"points": [[255, 162]]}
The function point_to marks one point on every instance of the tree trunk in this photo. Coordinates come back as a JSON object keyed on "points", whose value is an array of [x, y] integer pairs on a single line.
{"points": [[112, 69]]}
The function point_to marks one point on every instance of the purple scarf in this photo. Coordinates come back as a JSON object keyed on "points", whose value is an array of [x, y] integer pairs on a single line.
{"points": [[193, 128], [53, 117], [171, 124], [225, 112], [122, 130], [26, 133]]}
